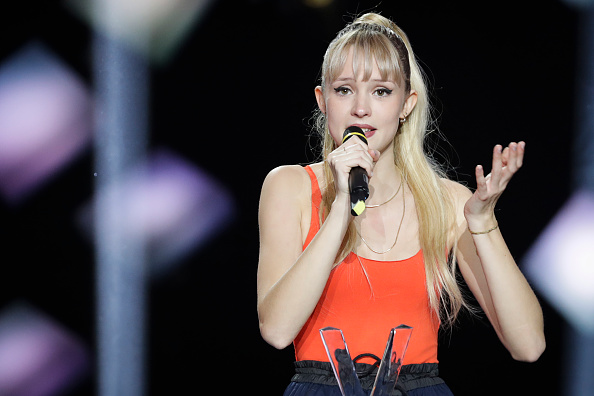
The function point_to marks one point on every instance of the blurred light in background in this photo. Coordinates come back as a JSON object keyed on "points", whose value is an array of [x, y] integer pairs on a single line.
{"points": [[38, 357], [170, 204], [45, 120], [163, 22], [121, 81], [561, 262], [140, 214]]}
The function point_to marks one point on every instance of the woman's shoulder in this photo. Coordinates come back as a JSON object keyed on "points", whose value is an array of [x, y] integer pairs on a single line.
{"points": [[287, 175], [456, 188], [286, 171], [459, 195], [285, 197], [293, 175], [457, 191], [289, 181]]}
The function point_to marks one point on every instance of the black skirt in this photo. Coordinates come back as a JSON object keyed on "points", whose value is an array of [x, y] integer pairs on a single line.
{"points": [[313, 378]]}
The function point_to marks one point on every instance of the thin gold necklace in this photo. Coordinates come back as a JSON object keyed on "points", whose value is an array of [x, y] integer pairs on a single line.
{"points": [[392, 197], [397, 233]]}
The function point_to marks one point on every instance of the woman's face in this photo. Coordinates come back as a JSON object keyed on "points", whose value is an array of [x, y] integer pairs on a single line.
{"points": [[374, 105]]}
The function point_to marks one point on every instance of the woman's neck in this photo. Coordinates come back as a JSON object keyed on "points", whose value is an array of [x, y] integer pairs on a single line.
{"points": [[385, 181]]}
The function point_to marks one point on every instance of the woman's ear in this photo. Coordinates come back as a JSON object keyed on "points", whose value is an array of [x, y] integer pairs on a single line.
{"points": [[409, 103], [320, 99]]}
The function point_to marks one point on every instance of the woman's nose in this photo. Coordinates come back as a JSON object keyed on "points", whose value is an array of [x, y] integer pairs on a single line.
{"points": [[361, 106]]}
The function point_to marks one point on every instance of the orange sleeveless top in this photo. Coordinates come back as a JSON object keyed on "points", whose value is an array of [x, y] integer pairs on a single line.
{"points": [[366, 308]]}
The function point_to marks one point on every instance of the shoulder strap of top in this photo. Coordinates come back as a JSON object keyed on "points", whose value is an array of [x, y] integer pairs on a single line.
{"points": [[316, 201]]}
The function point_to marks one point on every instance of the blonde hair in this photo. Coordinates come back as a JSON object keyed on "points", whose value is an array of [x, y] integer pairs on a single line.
{"points": [[376, 38]]}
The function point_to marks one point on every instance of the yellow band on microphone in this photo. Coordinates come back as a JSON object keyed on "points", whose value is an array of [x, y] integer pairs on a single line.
{"points": [[348, 135]]}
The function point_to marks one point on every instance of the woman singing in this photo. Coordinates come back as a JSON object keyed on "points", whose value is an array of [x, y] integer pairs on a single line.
{"points": [[396, 262]]}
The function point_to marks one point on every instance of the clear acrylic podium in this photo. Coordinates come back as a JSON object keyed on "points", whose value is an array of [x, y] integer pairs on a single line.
{"points": [[344, 369]]}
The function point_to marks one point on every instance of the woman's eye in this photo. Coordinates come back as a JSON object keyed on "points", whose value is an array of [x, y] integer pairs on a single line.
{"points": [[383, 92], [342, 90]]}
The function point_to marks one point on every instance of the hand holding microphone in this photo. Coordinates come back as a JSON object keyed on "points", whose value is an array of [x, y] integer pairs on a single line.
{"points": [[358, 179]]}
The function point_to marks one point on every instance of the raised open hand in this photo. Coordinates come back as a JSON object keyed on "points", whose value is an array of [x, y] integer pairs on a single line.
{"points": [[506, 163]]}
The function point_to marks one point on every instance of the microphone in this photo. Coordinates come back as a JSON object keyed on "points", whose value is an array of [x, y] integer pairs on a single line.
{"points": [[358, 179]]}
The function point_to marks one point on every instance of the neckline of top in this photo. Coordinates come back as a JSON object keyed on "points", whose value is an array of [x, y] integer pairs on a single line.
{"points": [[387, 261]]}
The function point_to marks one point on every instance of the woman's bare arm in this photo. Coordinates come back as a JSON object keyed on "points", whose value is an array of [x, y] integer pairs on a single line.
{"points": [[488, 266]]}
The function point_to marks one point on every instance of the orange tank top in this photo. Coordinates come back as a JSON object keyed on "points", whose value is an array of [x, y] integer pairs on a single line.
{"points": [[366, 307]]}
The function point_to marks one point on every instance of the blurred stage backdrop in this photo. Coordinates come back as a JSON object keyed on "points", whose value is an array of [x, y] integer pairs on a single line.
{"points": [[134, 139]]}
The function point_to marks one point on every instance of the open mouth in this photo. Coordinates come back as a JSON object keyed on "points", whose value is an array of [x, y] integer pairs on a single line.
{"points": [[369, 132]]}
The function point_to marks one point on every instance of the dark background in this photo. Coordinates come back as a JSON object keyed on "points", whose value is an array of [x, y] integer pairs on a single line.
{"points": [[235, 99]]}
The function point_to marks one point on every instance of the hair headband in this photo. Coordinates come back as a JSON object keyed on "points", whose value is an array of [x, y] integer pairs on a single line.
{"points": [[395, 39]]}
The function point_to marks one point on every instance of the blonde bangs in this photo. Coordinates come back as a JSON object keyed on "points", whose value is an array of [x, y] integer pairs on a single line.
{"points": [[369, 48]]}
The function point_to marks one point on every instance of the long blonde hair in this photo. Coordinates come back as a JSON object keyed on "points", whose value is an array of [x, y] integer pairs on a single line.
{"points": [[375, 38]]}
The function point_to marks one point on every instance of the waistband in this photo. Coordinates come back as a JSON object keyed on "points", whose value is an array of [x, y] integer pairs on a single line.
{"points": [[412, 376]]}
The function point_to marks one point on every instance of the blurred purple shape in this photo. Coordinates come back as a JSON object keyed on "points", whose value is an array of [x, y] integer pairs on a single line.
{"points": [[45, 119], [172, 205], [560, 264], [38, 357]]}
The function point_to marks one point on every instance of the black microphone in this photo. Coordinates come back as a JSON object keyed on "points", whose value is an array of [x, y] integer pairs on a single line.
{"points": [[358, 179]]}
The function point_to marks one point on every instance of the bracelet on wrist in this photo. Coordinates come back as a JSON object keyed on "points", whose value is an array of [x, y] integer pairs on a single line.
{"points": [[483, 232]]}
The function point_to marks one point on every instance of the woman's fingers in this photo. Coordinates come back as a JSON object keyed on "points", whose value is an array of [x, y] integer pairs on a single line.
{"points": [[520, 149], [497, 164], [374, 154], [505, 157], [356, 153], [516, 155], [506, 162], [351, 154], [481, 181], [489, 188], [512, 159]]}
